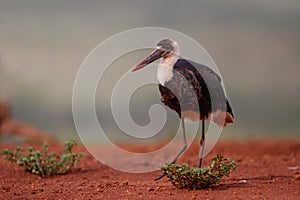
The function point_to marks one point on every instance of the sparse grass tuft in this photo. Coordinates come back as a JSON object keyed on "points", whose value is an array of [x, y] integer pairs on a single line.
{"points": [[42, 162], [182, 176]]}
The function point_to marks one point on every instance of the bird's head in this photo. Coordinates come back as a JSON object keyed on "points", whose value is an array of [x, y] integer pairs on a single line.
{"points": [[165, 48]]}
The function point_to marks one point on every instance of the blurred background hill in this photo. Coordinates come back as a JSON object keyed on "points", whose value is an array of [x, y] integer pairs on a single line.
{"points": [[255, 44]]}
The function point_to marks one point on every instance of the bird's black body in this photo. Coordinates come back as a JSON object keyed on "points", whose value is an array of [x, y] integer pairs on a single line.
{"points": [[189, 88]]}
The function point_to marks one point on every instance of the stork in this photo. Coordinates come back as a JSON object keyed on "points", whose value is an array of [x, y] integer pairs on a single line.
{"points": [[191, 89]]}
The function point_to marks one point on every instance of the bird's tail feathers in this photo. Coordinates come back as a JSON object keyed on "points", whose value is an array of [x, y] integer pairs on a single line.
{"points": [[218, 116]]}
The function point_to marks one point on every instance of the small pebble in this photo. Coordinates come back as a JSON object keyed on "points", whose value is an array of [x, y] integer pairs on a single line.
{"points": [[149, 189], [293, 168]]}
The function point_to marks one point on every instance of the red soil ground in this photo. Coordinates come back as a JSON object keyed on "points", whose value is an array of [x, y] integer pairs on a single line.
{"points": [[267, 170]]}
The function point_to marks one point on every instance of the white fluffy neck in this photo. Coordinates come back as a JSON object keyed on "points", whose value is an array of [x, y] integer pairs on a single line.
{"points": [[165, 68]]}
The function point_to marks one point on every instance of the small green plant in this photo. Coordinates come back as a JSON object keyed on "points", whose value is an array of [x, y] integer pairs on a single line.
{"points": [[182, 176], [42, 162]]}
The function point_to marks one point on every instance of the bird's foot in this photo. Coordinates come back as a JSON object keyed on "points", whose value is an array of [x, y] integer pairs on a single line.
{"points": [[161, 176], [164, 173]]}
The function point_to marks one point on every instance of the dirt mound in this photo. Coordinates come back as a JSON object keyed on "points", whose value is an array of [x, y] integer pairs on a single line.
{"points": [[13, 128], [4, 112]]}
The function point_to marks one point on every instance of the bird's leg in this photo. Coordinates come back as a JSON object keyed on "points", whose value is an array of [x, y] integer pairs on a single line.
{"points": [[202, 143], [180, 152], [184, 143]]}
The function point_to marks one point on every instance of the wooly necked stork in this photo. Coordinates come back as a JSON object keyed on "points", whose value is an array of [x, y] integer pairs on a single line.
{"points": [[191, 89]]}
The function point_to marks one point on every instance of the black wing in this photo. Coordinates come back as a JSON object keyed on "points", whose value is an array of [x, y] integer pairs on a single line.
{"points": [[210, 83], [199, 79]]}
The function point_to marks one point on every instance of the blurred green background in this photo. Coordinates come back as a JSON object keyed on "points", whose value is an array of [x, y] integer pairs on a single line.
{"points": [[255, 44]]}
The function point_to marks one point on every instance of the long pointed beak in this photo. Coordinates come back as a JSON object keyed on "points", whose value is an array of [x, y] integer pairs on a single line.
{"points": [[154, 55]]}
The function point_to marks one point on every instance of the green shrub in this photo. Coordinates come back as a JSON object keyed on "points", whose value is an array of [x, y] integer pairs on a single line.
{"points": [[182, 176], [42, 162]]}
